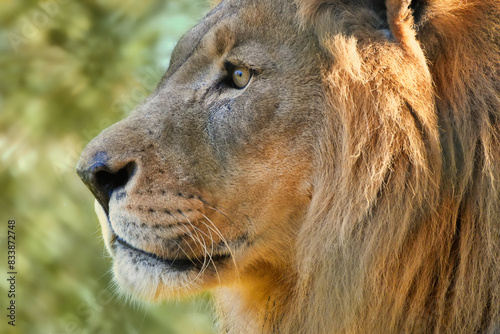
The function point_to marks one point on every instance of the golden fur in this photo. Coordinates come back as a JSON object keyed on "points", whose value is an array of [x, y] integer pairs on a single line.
{"points": [[352, 187]]}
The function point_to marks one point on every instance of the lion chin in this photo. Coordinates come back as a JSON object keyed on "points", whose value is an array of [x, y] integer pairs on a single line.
{"points": [[321, 166]]}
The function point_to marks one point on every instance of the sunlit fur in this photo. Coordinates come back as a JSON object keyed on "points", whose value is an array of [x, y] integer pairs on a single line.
{"points": [[403, 232]]}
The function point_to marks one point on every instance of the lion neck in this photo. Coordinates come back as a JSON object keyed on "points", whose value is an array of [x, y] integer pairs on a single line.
{"points": [[256, 303]]}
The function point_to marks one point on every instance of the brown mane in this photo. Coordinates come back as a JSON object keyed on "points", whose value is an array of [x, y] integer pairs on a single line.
{"points": [[403, 235]]}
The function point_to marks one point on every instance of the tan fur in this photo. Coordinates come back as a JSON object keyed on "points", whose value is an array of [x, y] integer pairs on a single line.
{"points": [[353, 185], [415, 243]]}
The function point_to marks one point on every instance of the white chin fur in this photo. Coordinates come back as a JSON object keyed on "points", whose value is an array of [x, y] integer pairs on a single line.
{"points": [[144, 278], [105, 227], [150, 280]]}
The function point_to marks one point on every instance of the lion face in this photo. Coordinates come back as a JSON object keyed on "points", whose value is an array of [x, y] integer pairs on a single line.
{"points": [[207, 181]]}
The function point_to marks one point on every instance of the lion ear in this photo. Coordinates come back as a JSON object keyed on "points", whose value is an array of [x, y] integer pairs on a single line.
{"points": [[403, 17], [400, 18]]}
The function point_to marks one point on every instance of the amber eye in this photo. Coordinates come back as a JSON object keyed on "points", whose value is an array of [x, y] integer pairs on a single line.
{"points": [[241, 77]]}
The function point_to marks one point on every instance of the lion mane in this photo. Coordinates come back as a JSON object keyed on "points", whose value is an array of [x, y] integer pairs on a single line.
{"points": [[403, 233]]}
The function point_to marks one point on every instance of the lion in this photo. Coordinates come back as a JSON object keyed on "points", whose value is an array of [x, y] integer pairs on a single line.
{"points": [[321, 166]]}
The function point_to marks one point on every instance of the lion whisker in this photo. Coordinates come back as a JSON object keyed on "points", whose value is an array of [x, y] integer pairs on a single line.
{"points": [[224, 240], [182, 249], [207, 253], [213, 207], [195, 240], [202, 243], [211, 259], [204, 263]]}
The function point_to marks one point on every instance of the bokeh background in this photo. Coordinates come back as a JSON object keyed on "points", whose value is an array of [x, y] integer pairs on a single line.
{"points": [[68, 69]]}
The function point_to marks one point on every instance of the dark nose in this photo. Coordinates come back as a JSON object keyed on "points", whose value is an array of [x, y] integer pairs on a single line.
{"points": [[103, 179]]}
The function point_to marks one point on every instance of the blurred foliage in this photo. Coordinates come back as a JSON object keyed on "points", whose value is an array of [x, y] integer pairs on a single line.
{"points": [[68, 69]]}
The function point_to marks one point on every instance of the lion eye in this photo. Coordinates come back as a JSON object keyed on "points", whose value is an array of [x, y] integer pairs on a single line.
{"points": [[241, 77]]}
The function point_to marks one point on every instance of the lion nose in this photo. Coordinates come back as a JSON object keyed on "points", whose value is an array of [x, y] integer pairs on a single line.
{"points": [[103, 178]]}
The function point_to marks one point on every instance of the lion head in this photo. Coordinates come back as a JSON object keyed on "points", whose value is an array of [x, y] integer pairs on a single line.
{"points": [[322, 166]]}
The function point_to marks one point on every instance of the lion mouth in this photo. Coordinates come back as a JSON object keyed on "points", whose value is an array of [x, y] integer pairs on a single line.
{"points": [[176, 263], [123, 248]]}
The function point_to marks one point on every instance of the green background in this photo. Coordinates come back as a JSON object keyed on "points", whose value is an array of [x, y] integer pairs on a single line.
{"points": [[69, 69]]}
